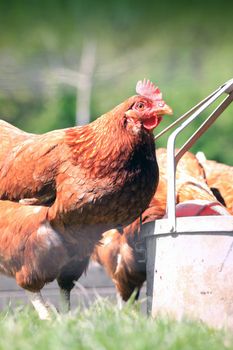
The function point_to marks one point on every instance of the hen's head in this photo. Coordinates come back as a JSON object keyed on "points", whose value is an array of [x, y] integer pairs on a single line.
{"points": [[147, 108]]}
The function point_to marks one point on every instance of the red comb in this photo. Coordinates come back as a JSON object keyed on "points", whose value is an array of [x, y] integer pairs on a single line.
{"points": [[148, 89]]}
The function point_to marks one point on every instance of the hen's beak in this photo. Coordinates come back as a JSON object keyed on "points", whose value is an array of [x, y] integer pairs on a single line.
{"points": [[165, 109]]}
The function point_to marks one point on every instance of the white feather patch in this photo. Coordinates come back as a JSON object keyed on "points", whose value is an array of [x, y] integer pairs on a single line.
{"points": [[51, 237], [119, 258]]}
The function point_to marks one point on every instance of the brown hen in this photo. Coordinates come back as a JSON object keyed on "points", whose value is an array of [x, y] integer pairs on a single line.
{"points": [[79, 182]]}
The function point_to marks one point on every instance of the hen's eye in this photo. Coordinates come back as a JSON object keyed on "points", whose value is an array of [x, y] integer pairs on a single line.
{"points": [[140, 105]]}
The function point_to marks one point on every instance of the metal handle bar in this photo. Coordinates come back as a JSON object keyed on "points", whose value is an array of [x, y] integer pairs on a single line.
{"points": [[173, 159], [187, 114]]}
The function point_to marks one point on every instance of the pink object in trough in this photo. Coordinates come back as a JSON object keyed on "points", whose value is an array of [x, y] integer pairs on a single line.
{"points": [[200, 208]]}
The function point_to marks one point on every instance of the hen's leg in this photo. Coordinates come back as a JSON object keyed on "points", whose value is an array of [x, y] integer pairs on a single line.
{"points": [[39, 305], [64, 300], [66, 281], [120, 301]]}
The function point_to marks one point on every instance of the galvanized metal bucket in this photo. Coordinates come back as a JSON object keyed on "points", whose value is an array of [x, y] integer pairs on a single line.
{"points": [[190, 273], [190, 259]]}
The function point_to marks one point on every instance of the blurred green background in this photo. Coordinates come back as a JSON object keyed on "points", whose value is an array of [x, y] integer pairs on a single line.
{"points": [[186, 47]]}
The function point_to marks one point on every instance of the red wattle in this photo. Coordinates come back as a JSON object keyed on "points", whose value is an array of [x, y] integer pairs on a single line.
{"points": [[151, 122]]}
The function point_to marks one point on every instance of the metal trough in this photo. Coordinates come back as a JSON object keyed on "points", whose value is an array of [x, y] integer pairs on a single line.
{"points": [[190, 259]]}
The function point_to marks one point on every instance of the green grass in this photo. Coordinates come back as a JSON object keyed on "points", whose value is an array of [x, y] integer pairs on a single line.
{"points": [[103, 326]]}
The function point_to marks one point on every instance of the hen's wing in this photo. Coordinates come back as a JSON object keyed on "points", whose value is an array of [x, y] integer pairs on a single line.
{"points": [[28, 164]]}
